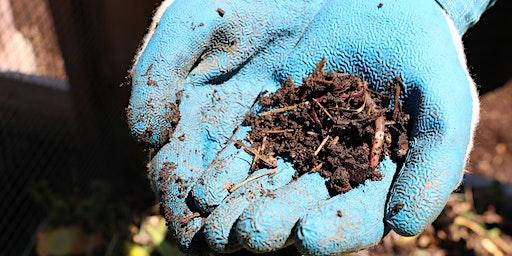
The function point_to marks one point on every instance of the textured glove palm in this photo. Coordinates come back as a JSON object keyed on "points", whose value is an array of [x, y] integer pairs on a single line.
{"points": [[211, 59]]}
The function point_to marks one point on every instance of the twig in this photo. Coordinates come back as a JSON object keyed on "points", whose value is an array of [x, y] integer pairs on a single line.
{"points": [[278, 131], [504, 245], [322, 145], [263, 144], [239, 185], [322, 107], [396, 110], [481, 232], [228, 185], [279, 110], [269, 161], [319, 80], [257, 154]]}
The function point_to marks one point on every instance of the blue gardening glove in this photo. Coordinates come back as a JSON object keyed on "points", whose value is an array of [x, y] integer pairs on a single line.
{"points": [[201, 70]]}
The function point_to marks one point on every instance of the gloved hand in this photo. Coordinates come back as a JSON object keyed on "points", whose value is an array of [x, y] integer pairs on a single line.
{"points": [[207, 61]]}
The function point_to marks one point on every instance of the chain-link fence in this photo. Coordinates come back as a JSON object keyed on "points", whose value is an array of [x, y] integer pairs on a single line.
{"points": [[33, 98], [62, 129], [28, 42]]}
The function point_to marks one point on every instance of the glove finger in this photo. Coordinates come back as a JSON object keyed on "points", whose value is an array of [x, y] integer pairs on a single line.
{"points": [[444, 118], [266, 225], [219, 226], [173, 171], [347, 222]]}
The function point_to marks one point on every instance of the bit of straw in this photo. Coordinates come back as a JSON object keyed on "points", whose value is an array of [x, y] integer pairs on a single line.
{"points": [[263, 144], [279, 110], [278, 131], [257, 154], [322, 107], [312, 133], [239, 185], [322, 145], [228, 185], [268, 161]]}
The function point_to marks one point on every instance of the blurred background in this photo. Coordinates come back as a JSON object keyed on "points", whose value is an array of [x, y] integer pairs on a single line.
{"points": [[73, 182]]}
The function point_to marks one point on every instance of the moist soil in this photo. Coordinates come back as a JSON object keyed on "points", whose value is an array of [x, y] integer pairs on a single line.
{"points": [[332, 124]]}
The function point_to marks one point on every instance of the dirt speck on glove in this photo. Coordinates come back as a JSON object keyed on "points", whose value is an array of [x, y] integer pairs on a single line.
{"points": [[331, 124]]}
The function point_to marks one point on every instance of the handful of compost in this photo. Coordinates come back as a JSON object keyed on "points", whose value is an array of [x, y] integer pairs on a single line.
{"points": [[331, 124]]}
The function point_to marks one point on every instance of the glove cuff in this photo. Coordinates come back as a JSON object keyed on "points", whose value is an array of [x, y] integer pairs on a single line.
{"points": [[465, 13]]}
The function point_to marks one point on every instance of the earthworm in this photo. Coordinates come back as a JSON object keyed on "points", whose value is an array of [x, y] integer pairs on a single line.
{"points": [[314, 116], [378, 141], [359, 92]]}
